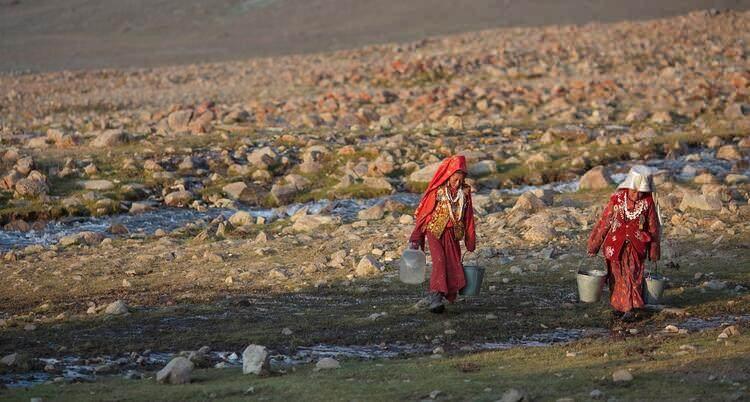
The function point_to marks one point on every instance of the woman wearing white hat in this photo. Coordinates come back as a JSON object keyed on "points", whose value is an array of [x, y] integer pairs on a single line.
{"points": [[628, 232]]}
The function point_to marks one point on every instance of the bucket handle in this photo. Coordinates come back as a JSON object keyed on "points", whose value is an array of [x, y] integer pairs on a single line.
{"points": [[464, 255]]}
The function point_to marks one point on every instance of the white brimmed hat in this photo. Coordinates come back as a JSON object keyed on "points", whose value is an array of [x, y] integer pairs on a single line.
{"points": [[639, 178]]}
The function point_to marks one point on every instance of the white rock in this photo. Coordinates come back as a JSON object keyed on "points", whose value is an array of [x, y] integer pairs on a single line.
{"points": [[9, 360], [514, 395], [116, 308], [177, 371], [327, 363], [622, 375], [254, 359]]}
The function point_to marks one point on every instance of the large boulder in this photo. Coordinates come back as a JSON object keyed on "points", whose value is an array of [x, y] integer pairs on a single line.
{"points": [[177, 371], [529, 203], [254, 359], [483, 168], [595, 179], [109, 138], [368, 266], [425, 174], [693, 200]]}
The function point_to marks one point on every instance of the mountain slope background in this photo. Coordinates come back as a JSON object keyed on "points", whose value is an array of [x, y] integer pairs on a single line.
{"points": [[46, 35]]}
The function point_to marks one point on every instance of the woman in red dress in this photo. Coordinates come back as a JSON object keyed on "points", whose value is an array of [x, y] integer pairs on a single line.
{"points": [[445, 216], [628, 232]]}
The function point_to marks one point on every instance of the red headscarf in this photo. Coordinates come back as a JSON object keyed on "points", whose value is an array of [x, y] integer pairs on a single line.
{"points": [[450, 165]]}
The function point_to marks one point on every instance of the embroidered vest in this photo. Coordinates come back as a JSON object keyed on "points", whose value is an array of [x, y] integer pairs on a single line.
{"points": [[442, 214], [628, 225]]}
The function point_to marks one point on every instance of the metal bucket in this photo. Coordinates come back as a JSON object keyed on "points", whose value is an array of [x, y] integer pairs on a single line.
{"points": [[590, 285], [474, 275], [653, 288]]}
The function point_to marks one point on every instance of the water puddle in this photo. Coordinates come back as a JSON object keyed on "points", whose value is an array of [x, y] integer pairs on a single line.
{"points": [[75, 369]]}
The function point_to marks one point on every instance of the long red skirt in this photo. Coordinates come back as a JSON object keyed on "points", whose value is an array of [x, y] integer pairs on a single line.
{"points": [[447, 272], [626, 280]]}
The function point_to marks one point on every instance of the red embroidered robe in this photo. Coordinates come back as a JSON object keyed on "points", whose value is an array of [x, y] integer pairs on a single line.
{"points": [[443, 234], [627, 233]]}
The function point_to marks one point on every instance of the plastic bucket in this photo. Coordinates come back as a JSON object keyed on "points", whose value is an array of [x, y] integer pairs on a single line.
{"points": [[412, 267], [590, 285], [653, 288], [474, 276]]}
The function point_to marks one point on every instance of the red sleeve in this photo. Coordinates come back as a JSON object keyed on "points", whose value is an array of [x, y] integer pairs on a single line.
{"points": [[470, 235], [599, 233], [654, 229], [417, 235]]}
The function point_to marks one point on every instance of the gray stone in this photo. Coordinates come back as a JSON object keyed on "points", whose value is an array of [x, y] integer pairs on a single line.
{"points": [[97, 185], [729, 152], [327, 363], [425, 174], [483, 168], [529, 203], [622, 375], [241, 218], [31, 188], [693, 200], [110, 138], [254, 359], [178, 198], [307, 223], [116, 308], [375, 212], [595, 179], [368, 266], [177, 371], [514, 395], [179, 120], [283, 193], [9, 360]]}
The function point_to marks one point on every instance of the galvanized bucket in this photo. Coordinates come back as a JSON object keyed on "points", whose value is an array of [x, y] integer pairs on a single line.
{"points": [[590, 284], [653, 288], [474, 275]]}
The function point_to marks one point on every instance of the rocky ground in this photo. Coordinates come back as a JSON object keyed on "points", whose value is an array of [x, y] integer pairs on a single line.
{"points": [[549, 119]]}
